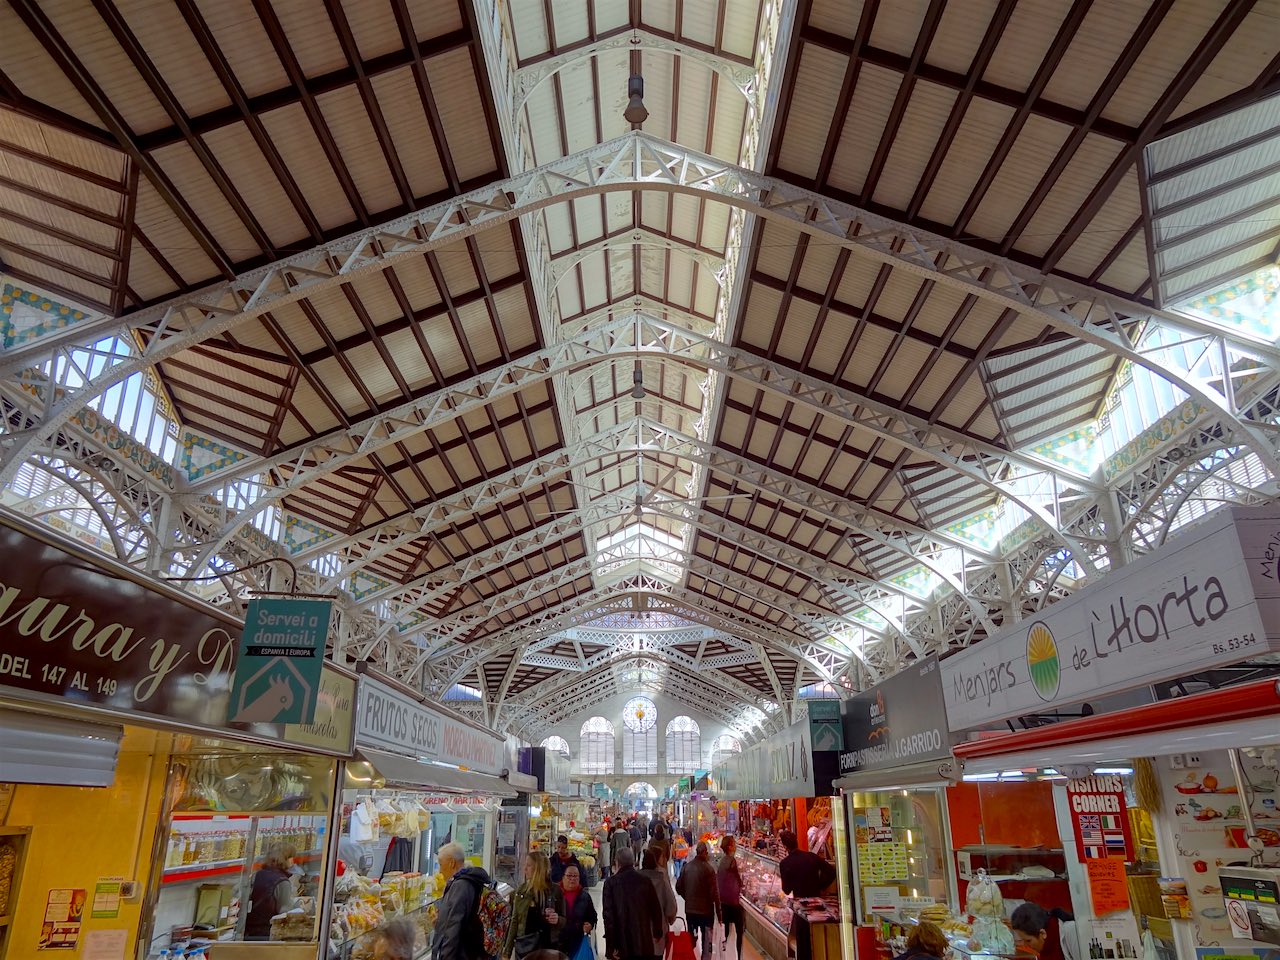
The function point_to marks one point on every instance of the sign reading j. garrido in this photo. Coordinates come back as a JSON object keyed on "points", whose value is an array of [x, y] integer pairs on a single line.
{"points": [[84, 630], [1210, 597], [897, 722]]}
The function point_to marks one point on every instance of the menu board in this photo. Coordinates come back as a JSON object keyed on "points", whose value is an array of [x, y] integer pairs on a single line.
{"points": [[880, 863], [1209, 829]]}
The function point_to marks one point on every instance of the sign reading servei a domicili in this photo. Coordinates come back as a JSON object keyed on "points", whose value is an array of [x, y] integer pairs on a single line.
{"points": [[84, 629], [1208, 598]]}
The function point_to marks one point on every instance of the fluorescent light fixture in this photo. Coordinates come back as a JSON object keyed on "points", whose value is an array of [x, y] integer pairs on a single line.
{"points": [[1123, 771]]}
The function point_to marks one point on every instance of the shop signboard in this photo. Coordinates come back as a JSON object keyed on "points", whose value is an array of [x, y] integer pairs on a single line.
{"points": [[330, 729], [1209, 598], [1100, 817], [826, 729], [389, 719], [898, 722], [277, 677], [780, 767], [86, 631]]}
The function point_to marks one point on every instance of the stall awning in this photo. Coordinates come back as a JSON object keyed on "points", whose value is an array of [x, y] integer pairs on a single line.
{"points": [[35, 748], [1242, 716], [400, 771], [929, 773], [524, 782]]}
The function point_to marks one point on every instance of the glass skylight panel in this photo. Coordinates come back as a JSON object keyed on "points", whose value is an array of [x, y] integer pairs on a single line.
{"points": [[1251, 304]]}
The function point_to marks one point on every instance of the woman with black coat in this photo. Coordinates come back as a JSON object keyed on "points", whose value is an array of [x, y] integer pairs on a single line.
{"points": [[579, 913]]}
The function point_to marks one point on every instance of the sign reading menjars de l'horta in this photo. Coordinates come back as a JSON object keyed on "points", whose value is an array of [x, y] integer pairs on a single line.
{"points": [[1210, 597]]}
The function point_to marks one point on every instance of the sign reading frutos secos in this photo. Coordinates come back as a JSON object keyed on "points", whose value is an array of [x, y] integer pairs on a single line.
{"points": [[390, 720], [1209, 598]]}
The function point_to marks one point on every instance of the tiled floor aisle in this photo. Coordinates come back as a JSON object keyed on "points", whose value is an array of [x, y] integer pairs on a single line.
{"points": [[749, 951]]}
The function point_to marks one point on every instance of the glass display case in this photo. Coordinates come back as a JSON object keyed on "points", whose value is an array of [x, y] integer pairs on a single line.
{"points": [[767, 910], [900, 849], [230, 816], [762, 888]]}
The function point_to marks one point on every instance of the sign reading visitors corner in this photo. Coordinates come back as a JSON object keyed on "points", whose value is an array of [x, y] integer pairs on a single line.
{"points": [[281, 658], [898, 722], [390, 720], [1210, 597]]}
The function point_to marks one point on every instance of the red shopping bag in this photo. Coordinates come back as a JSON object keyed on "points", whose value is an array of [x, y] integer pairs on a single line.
{"points": [[679, 943]]}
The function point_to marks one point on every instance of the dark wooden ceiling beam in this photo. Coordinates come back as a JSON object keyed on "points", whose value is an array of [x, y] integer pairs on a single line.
{"points": [[307, 97], [373, 110], [1266, 84], [417, 318], [931, 340], [1206, 51], [37, 21], [309, 89], [55, 264], [240, 99], [1008, 96], [1025, 107], [70, 239], [164, 96], [120, 278], [1119, 72], [408, 38], [959, 108], [61, 202], [70, 169], [920, 49]]}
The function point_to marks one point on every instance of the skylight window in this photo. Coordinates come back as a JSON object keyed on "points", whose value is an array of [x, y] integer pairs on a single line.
{"points": [[640, 548], [1252, 304]]}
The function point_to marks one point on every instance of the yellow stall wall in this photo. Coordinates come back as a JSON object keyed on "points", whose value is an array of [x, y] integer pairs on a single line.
{"points": [[80, 834]]}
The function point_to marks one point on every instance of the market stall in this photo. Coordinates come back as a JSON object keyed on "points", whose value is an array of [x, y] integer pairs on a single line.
{"points": [[1187, 782], [1135, 818], [790, 786], [895, 758], [124, 686], [423, 777]]}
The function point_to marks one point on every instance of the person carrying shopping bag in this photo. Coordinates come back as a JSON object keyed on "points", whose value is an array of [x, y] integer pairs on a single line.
{"points": [[579, 917], [701, 892]]}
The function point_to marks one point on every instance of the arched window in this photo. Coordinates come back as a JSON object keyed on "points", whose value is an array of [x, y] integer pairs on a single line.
{"points": [[640, 795], [684, 745], [558, 745], [595, 747], [722, 746], [640, 736]]}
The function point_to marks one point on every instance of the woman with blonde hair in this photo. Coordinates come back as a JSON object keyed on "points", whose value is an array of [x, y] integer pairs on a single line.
{"points": [[537, 910]]}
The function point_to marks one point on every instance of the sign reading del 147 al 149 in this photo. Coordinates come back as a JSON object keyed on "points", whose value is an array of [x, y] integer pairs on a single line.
{"points": [[1208, 598], [280, 662]]}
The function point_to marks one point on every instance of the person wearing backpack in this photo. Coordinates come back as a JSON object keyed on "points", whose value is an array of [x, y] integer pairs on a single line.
{"points": [[460, 932]]}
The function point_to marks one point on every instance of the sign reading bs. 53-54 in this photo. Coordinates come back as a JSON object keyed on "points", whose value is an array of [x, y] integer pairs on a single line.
{"points": [[1209, 598], [280, 662]]}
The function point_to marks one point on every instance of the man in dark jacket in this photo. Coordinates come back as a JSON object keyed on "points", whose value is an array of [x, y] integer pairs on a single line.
{"points": [[701, 892], [803, 874], [632, 914], [458, 934]]}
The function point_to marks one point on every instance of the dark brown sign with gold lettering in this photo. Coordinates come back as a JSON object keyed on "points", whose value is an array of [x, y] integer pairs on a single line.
{"points": [[89, 632]]}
